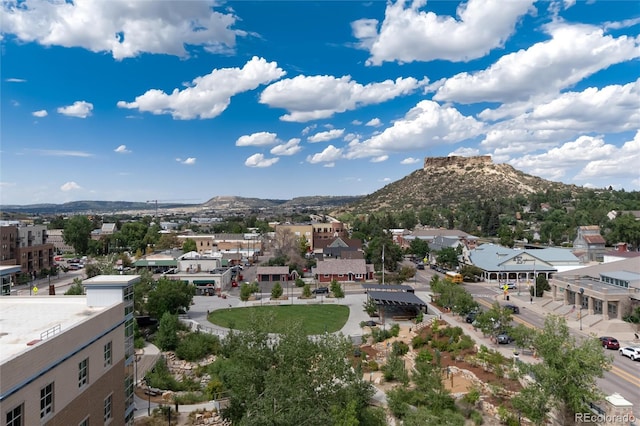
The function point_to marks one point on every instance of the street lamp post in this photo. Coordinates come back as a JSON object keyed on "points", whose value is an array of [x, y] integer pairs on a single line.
{"points": [[581, 306], [146, 382]]}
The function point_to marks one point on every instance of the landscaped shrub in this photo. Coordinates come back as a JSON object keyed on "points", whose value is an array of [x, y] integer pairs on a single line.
{"points": [[394, 369], [395, 330], [476, 417], [190, 398], [373, 365], [465, 343], [424, 356], [161, 378], [380, 335], [453, 332], [195, 346], [418, 342], [400, 348]]}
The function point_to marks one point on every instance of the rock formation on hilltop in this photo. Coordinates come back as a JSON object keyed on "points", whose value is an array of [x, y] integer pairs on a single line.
{"points": [[448, 181]]}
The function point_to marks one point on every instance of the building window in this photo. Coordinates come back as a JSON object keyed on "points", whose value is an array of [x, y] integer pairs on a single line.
{"points": [[14, 416], [107, 354], [46, 400], [107, 408], [85, 422], [83, 372]]}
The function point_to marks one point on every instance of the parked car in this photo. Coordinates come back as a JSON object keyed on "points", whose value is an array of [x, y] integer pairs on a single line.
{"points": [[610, 342], [512, 308], [371, 323], [471, 317], [632, 352], [320, 290], [504, 339], [420, 265], [510, 286]]}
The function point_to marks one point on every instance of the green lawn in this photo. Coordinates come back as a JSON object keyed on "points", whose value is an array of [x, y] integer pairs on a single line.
{"points": [[315, 319]]}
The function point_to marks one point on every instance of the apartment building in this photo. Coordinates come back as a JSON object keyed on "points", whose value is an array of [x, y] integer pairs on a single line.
{"points": [[69, 360], [27, 246]]}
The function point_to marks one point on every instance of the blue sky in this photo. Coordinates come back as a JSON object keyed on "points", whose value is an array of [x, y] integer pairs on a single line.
{"points": [[183, 101]]}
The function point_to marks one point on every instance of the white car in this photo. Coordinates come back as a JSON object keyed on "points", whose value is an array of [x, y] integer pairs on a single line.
{"points": [[631, 352]]}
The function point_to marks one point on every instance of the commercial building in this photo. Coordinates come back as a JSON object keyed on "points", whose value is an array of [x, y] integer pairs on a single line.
{"points": [[69, 360]]}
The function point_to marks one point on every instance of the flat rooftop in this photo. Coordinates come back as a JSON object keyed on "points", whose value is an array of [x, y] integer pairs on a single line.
{"points": [[29, 318]]}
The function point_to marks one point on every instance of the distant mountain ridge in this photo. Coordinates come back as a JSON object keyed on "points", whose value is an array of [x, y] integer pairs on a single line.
{"points": [[443, 181], [218, 203]]}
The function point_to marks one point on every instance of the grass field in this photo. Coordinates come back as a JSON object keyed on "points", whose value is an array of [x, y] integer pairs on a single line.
{"points": [[315, 319]]}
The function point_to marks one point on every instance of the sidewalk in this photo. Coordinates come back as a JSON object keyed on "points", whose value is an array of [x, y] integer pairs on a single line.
{"points": [[591, 324]]}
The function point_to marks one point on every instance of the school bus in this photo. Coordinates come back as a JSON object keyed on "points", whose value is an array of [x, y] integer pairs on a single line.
{"points": [[454, 277]]}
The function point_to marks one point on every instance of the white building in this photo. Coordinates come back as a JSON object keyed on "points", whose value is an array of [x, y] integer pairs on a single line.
{"points": [[68, 360]]}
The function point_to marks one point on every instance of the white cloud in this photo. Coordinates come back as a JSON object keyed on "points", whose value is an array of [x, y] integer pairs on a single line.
{"points": [[15, 80], [328, 155], [123, 28], [615, 165], [308, 129], [573, 53], [374, 122], [609, 109], [79, 109], [316, 97], [70, 186], [617, 25], [465, 152], [329, 165], [122, 149], [258, 139], [208, 95], [588, 156], [40, 114], [408, 34], [410, 160], [188, 161], [425, 125], [379, 159], [290, 148], [356, 122], [61, 153], [326, 136], [259, 160]]}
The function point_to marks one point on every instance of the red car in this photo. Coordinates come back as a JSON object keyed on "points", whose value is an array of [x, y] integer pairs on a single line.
{"points": [[610, 342]]}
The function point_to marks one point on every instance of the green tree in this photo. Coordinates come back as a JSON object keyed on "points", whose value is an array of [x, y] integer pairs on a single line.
{"points": [[448, 257], [276, 291], [76, 288], [167, 335], [245, 292], [566, 377], [167, 242], [189, 245], [336, 289], [306, 291], [77, 233], [132, 236], [169, 296], [304, 246], [294, 380], [542, 285], [141, 291], [370, 306], [419, 248]]}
